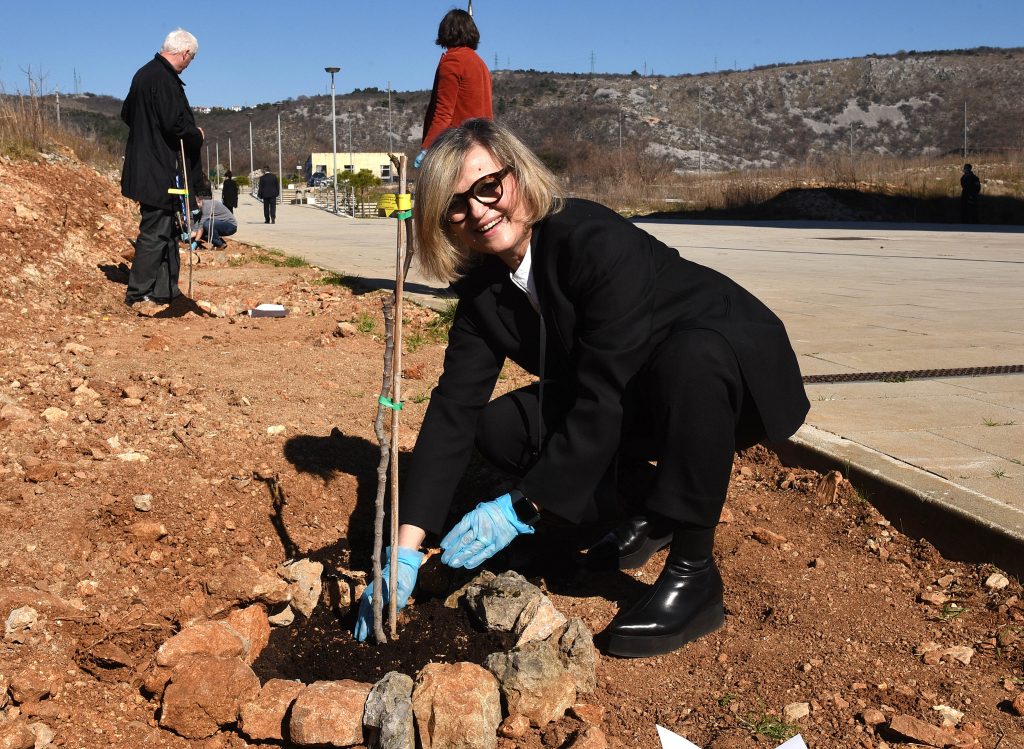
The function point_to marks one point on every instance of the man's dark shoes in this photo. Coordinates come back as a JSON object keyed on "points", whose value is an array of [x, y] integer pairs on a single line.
{"points": [[683, 604], [630, 545]]}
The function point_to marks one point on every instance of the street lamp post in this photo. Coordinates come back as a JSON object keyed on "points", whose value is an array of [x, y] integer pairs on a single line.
{"points": [[334, 130], [280, 171], [251, 166], [229, 151]]}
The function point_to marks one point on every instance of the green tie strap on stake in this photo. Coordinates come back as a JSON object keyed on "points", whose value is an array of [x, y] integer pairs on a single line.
{"points": [[403, 201], [389, 403]]}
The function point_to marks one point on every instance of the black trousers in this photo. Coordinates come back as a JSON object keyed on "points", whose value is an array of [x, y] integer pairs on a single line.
{"points": [[688, 410], [270, 209], [156, 263]]}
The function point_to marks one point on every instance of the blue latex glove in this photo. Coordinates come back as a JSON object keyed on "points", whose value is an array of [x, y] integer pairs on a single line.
{"points": [[408, 569], [482, 533], [419, 159]]}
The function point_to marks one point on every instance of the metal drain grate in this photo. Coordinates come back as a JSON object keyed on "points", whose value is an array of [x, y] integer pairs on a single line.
{"points": [[914, 374]]}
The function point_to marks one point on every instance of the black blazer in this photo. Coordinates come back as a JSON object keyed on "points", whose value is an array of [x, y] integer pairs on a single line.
{"points": [[609, 293], [159, 119], [268, 187], [229, 193]]}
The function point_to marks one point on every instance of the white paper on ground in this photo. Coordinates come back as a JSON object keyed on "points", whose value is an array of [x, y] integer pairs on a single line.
{"points": [[670, 740], [270, 307]]}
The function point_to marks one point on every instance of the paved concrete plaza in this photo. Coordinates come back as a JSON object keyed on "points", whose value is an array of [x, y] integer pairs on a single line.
{"points": [[855, 298]]}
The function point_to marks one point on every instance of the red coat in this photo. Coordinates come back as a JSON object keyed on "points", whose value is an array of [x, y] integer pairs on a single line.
{"points": [[462, 90]]}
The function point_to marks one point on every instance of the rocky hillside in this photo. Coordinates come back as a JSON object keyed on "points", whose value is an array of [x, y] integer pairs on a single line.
{"points": [[909, 104]]}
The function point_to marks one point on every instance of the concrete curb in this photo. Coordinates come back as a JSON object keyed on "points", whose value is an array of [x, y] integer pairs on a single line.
{"points": [[961, 523]]}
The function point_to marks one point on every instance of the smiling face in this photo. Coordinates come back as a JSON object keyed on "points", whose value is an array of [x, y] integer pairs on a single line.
{"points": [[495, 229]]}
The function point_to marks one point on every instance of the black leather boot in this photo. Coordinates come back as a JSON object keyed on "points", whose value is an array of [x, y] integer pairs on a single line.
{"points": [[683, 604], [630, 544]]}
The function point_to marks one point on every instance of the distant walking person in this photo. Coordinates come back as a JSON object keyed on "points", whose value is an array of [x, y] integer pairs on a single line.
{"points": [[229, 192], [159, 121], [462, 83], [970, 189], [267, 190]]}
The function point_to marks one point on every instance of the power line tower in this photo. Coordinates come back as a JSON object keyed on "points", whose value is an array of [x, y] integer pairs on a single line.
{"points": [[593, 58]]}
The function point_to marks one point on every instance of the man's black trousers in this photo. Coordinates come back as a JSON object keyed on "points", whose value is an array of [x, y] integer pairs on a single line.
{"points": [[269, 210], [156, 264]]}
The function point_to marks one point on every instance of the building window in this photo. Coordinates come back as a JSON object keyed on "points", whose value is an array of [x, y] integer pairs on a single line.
{"points": [[385, 171]]}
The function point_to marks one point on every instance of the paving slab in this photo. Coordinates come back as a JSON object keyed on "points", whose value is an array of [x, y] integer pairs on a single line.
{"points": [[855, 298]]}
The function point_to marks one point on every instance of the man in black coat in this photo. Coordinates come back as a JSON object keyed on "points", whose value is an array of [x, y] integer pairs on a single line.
{"points": [[267, 190], [160, 120], [229, 192]]}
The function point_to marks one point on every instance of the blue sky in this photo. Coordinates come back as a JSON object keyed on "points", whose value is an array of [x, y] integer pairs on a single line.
{"points": [[254, 52]]}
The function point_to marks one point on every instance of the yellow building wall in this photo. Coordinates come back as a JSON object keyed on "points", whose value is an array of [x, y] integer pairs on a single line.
{"points": [[378, 163]]}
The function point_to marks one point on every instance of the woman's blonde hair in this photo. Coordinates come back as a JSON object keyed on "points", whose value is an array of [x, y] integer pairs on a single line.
{"points": [[538, 189]]}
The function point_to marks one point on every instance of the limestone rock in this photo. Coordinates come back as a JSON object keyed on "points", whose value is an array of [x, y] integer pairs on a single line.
{"points": [[244, 582], [205, 693], [534, 682], [917, 730], [456, 705], [388, 713], [498, 601], [329, 712], [263, 719], [538, 620], [213, 639], [37, 682], [19, 622], [305, 586], [17, 735], [253, 626], [796, 711], [590, 737], [578, 654], [514, 727]]}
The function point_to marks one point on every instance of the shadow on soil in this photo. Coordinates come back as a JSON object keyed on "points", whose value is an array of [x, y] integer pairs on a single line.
{"points": [[840, 204]]}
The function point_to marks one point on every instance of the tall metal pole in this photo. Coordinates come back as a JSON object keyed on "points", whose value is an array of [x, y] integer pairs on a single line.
{"points": [[965, 131], [700, 133], [280, 171], [216, 152], [352, 165], [390, 147], [334, 132], [229, 152], [251, 167], [58, 105]]}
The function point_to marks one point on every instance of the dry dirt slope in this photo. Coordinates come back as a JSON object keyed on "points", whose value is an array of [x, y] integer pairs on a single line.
{"points": [[831, 611]]}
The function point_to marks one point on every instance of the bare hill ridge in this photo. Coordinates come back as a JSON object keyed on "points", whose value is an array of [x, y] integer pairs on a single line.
{"points": [[908, 104]]}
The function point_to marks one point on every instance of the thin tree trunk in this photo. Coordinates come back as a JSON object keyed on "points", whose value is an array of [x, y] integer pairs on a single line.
{"points": [[382, 471]]}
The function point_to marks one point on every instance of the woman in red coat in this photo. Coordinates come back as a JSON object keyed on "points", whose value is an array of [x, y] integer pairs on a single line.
{"points": [[462, 84]]}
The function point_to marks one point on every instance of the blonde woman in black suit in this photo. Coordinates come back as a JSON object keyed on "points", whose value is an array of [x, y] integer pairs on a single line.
{"points": [[653, 372]]}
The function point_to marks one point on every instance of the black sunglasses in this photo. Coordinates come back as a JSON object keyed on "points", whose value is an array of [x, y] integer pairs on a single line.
{"points": [[487, 190]]}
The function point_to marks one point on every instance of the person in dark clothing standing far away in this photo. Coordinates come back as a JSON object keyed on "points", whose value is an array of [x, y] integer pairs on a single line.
{"points": [[970, 189], [229, 192], [462, 83], [641, 356], [267, 190], [159, 121]]}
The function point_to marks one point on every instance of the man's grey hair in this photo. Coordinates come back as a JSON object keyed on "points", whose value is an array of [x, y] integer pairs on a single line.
{"points": [[180, 40]]}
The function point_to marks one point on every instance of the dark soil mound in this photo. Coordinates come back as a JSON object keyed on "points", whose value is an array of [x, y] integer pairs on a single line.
{"points": [[323, 648]]}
